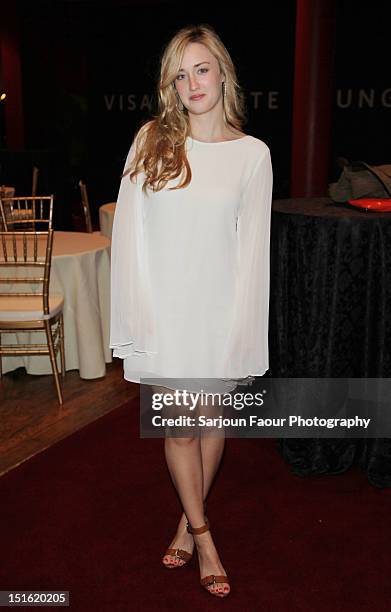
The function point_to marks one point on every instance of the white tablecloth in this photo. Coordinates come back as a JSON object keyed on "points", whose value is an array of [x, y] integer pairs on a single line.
{"points": [[81, 273], [106, 218]]}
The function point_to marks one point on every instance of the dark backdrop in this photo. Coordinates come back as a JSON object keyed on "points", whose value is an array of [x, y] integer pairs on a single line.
{"points": [[89, 72]]}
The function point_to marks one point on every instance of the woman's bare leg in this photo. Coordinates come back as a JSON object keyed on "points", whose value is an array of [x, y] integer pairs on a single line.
{"points": [[184, 461], [193, 463], [211, 453], [212, 448]]}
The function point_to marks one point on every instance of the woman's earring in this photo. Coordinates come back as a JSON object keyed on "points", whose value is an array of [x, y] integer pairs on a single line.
{"points": [[224, 89]]}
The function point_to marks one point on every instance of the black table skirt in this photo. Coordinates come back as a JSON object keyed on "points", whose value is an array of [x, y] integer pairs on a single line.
{"points": [[330, 316]]}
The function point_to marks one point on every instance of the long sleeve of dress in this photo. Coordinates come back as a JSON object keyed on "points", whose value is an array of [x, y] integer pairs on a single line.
{"points": [[247, 344], [132, 328]]}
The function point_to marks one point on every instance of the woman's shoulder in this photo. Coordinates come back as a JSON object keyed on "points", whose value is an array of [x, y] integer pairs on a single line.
{"points": [[254, 152], [143, 131], [258, 146], [140, 139]]}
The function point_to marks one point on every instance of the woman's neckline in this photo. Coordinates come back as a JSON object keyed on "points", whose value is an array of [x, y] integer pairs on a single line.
{"points": [[204, 142]]}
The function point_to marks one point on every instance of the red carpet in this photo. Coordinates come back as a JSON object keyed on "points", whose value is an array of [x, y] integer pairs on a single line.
{"points": [[94, 514]]}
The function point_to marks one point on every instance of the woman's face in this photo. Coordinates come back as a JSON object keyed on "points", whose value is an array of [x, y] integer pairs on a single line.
{"points": [[199, 80]]}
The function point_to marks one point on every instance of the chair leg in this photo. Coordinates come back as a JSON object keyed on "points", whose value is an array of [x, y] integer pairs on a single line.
{"points": [[52, 355], [62, 348]]}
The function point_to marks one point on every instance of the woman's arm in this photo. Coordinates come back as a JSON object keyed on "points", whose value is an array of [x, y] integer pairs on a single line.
{"points": [[132, 324], [247, 345]]}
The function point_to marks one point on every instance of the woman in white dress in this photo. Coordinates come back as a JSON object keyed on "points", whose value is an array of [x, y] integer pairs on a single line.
{"points": [[190, 263]]}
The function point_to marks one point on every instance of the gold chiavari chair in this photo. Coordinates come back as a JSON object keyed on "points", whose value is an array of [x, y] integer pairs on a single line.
{"points": [[35, 181], [5, 194], [25, 263], [86, 206], [27, 213]]}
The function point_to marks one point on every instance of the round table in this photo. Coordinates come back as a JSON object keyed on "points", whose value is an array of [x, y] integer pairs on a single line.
{"points": [[106, 218], [330, 314], [81, 273]]}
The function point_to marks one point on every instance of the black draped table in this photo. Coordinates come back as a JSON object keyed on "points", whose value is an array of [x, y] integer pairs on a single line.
{"points": [[330, 316]]}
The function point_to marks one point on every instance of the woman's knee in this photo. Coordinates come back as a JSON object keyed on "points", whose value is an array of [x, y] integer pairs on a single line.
{"points": [[182, 442]]}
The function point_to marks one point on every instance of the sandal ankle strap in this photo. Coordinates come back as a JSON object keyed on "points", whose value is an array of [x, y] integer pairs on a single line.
{"points": [[198, 530], [206, 519]]}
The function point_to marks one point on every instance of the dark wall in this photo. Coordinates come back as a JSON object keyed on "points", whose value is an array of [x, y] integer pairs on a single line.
{"points": [[90, 70], [361, 128], [89, 73]]}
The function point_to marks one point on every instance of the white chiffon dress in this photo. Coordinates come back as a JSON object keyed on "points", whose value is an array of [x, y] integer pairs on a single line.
{"points": [[190, 270]]}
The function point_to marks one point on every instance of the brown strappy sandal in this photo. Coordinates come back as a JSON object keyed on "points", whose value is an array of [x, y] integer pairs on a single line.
{"points": [[207, 581], [179, 553]]}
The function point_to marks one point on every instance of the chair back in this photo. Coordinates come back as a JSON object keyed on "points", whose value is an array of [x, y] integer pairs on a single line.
{"points": [[25, 258], [35, 181], [86, 206], [28, 213]]}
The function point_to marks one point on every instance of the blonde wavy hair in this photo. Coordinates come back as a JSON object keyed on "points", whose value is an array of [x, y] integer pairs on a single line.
{"points": [[160, 143]]}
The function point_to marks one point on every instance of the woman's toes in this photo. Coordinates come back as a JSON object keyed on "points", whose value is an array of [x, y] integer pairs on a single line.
{"points": [[220, 589], [169, 560]]}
